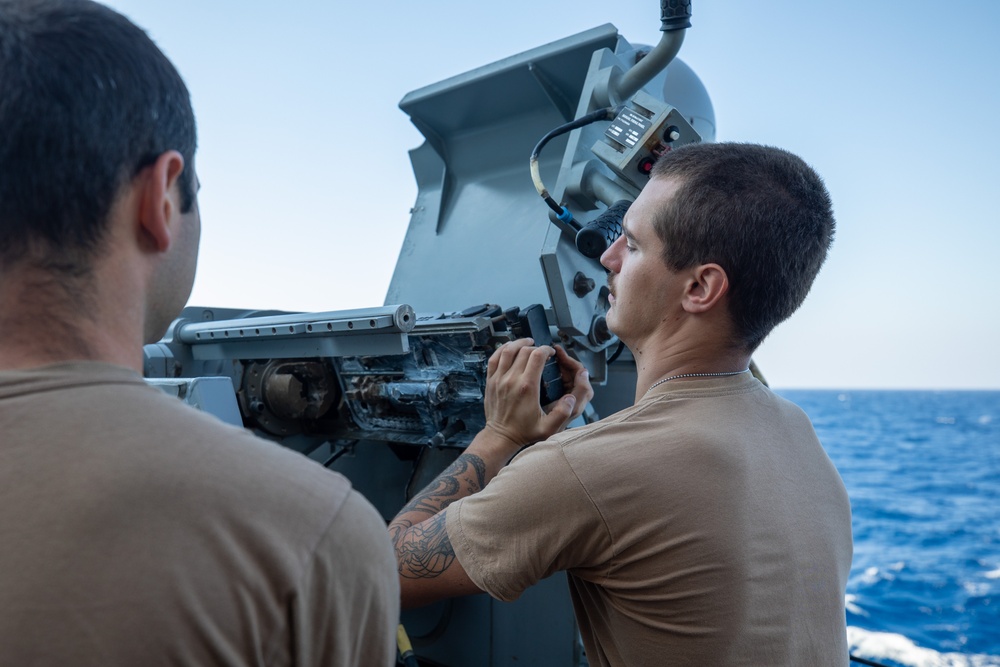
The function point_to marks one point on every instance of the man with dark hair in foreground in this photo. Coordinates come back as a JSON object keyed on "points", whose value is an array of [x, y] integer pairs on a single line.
{"points": [[136, 530], [705, 525]]}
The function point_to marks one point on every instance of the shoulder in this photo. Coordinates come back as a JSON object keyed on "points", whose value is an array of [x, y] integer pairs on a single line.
{"points": [[369, 548], [152, 445]]}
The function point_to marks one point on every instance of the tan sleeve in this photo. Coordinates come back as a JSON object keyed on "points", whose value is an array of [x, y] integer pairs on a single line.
{"points": [[348, 606], [534, 519]]}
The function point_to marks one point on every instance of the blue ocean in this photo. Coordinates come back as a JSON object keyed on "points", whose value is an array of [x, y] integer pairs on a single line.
{"points": [[922, 469]]}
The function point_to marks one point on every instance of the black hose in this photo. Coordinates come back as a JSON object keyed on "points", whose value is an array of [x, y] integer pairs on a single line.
{"points": [[617, 353], [607, 113]]}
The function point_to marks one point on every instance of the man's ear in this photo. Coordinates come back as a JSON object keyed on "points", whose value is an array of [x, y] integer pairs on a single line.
{"points": [[706, 286], [161, 201]]}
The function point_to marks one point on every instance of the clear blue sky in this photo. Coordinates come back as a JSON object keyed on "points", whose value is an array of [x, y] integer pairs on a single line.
{"points": [[895, 104]]}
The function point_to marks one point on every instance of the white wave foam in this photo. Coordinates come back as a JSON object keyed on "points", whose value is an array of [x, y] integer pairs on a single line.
{"points": [[995, 574], [850, 603], [976, 589], [873, 574], [890, 646]]}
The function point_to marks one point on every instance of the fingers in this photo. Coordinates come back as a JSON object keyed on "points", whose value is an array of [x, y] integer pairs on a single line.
{"points": [[561, 413], [506, 356], [568, 366], [582, 392], [514, 373], [575, 401], [576, 379], [524, 375], [567, 362], [512, 376], [521, 363], [534, 362], [518, 357]]}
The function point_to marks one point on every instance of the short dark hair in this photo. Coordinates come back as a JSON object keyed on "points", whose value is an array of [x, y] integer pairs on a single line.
{"points": [[759, 212], [87, 101]]}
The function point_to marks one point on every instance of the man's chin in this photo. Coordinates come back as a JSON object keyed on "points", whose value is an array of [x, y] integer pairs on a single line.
{"points": [[609, 319]]}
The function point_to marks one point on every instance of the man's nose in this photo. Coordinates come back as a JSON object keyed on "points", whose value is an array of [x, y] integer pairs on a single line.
{"points": [[609, 259]]}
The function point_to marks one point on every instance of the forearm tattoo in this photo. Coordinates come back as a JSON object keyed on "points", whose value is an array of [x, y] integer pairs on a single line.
{"points": [[422, 545], [424, 551]]}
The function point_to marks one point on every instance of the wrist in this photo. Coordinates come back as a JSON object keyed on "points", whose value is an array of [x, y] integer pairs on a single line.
{"points": [[503, 436], [495, 445]]}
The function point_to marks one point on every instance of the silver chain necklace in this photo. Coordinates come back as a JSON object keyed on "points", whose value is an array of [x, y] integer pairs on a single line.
{"points": [[693, 375]]}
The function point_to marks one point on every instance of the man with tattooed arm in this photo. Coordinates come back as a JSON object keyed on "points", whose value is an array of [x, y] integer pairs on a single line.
{"points": [[705, 524]]}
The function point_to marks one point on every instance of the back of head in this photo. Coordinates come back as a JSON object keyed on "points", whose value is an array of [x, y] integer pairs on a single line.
{"points": [[87, 101], [759, 212]]}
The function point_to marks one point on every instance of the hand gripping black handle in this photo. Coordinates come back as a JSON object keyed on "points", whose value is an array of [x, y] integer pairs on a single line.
{"points": [[532, 323], [598, 235]]}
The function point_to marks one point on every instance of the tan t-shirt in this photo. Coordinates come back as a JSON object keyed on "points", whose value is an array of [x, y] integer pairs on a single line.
{"points": [[139, 531], [704, 526]]}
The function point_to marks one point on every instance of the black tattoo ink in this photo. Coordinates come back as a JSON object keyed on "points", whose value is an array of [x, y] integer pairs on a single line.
{"points": [[422, 545], [425, 551], [444, 490]]}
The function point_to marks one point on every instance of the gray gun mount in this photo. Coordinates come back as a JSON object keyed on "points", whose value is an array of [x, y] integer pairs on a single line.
{"points": [[389, 396]]}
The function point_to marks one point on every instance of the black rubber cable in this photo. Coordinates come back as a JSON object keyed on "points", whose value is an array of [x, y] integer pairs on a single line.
{"points": [[617, 352], [607, 113]]}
